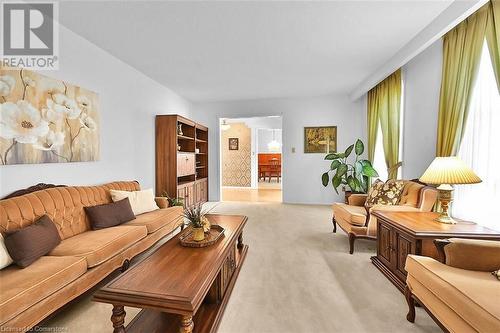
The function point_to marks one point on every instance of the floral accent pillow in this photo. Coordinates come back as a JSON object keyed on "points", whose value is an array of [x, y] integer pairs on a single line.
{"points": [[387, 193], [496, 274]]}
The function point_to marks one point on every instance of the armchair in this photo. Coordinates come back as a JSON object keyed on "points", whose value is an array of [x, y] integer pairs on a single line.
{"points": [[459, 293], [354, 219]]}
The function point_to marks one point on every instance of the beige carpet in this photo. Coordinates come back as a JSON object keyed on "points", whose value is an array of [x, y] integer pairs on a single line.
{"points": [[298, 277]]}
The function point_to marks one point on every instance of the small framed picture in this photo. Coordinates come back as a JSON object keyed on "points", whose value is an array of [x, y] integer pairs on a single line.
{"points": [[233, 143]]}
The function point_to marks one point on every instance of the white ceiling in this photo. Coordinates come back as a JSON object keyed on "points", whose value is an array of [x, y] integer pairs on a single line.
{"points": [[245, 50]]}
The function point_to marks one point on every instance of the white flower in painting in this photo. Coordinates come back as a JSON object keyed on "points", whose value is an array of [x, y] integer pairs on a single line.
{"points": [[51, 116], [29, 81], [7, 84], [53, 86], [22, 122], [87, 122], [84, 103], [64, 105], [51, 141]]}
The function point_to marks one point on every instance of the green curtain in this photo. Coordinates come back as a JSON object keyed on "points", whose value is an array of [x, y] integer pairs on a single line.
{"points": [[372, 122], [384, 107], [493, 36], [390, 115], [461, 55]]}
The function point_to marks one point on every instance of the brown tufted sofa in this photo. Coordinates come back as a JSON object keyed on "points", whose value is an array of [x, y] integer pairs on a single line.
{"points": [[82, 259], [358, 223]]}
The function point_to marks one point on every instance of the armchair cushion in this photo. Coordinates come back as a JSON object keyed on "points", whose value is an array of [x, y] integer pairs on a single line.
{"points": [[355, 215], [387, 193], [473, 254], [472, 295]]}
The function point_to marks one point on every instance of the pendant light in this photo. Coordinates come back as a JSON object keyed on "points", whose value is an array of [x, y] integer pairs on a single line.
{"points": [[273, 145], [225, 126]]}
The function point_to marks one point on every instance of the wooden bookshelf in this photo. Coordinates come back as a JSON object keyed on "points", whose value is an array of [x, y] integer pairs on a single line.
{"points": [[181, 159]]}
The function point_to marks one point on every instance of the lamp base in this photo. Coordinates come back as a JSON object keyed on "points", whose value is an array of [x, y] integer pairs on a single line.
{"points": [[444, 218], [445, 197]]}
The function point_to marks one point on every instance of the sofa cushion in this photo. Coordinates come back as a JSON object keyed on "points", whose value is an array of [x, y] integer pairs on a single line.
{"points": [[355, 215], [141, 201], [110, 215], [27, 244], [473, 295], [24, 287], [97, 246], [158, 218]]}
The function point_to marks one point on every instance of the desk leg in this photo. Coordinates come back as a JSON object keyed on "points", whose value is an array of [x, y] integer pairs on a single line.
{"points": [[187, 324], [118, 319]]}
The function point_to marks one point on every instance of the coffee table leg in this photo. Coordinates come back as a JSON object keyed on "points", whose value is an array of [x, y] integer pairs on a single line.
{"points": [[118, 319], [187, 324], [240, 241]]}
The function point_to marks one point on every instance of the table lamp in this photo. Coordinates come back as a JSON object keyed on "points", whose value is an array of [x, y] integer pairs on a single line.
{"points": [[446, 171]]}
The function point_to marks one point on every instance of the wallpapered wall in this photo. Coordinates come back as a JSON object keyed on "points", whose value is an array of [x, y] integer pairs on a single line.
{"points": [[236, 164]]}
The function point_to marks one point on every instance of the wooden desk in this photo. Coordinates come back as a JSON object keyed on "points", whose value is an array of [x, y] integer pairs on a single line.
{"points": [[180, 288], [403, 233]]}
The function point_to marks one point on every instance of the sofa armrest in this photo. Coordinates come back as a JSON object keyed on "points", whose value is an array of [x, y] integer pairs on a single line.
{"points": [[357, 199], [162, 202], [470, 254]]}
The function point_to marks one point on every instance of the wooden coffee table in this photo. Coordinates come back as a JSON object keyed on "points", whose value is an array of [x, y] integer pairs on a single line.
{"points": [[180, 289]]}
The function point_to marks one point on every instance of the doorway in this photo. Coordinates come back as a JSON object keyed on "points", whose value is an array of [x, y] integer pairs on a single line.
{"points": [[251, 159]]}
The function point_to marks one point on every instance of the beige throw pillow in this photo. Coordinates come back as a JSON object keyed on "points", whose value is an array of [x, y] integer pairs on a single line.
{"points": [[5, 259], [140, 201]]}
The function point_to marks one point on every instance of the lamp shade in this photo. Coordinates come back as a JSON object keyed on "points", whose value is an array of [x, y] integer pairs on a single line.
{"points": [[449, 170]]}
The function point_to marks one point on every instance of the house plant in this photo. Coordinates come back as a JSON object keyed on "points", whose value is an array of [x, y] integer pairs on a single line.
{"points": [[197, 220], [173, 201], [354, 174]]}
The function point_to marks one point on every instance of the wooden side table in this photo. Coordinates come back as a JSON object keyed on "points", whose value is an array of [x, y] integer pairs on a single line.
{"points": [[403, 233]]}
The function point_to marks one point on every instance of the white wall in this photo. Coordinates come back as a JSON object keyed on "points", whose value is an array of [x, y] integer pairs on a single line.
{"points": [[128, 102], [301, 172], [422, 78]]}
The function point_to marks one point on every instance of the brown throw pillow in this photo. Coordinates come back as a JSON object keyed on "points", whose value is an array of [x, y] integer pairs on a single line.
{"points": [[387, 193], [110, 215], [28, 244], [496, 274]]}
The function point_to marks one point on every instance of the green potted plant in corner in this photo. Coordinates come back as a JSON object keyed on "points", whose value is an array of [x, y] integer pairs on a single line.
{"points": [[355, 174]]}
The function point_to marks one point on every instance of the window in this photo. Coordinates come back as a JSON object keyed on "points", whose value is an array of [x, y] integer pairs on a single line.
{"points": [[480, 149]]}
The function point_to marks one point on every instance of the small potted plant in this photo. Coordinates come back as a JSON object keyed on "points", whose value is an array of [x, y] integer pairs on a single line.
{"points": [[172, 202], [197, 220], [355, 174]]}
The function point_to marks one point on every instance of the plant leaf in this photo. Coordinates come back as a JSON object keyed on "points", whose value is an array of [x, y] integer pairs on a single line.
{"points": [[368, 169], [349, 150], [325, 178], [360, 147], [352, 183], [336, 181], [332, 156], [335, 164], [358, 167], [341, 170]]}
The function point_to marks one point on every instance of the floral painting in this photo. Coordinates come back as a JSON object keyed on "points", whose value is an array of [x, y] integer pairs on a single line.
{"points": [[320, 139], [44, 120]]}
